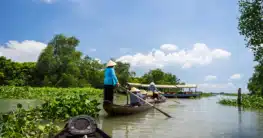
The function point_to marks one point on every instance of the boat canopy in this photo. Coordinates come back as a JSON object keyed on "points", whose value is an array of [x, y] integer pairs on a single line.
{"points": [[164, 86]]}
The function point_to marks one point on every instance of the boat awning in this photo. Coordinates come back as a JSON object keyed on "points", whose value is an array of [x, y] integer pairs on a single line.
{"points": [[164, 86]]}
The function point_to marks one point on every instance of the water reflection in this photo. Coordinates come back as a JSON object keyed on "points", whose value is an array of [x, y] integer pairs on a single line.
{"points": [[7, 105]]}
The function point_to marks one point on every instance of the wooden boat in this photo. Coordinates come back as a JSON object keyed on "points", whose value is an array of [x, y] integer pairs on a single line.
{"points": [[114, 109]]}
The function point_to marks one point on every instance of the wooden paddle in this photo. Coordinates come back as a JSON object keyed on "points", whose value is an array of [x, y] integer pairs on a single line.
{"points": [[151, 105]]}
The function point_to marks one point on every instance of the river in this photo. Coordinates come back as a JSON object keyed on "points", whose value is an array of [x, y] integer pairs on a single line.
{"points": [[192, 118], [202, 118]]}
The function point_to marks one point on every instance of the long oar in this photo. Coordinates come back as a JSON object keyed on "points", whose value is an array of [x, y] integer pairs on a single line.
{"points": [[151, 105]]}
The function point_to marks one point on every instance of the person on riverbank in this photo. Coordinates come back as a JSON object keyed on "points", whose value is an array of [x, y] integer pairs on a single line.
{"points": [[110, 81], [135, 101]]}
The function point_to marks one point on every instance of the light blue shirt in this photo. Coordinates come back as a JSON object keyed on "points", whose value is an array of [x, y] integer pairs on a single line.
{"points": [[110, 77]]}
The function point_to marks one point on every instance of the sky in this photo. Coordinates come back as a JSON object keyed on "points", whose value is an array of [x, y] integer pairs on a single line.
{"points": [[197, 40]]}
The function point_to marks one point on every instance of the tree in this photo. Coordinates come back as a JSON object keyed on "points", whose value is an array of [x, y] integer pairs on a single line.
{"points": [[251, 25], [14, 73], [160, 77], [58, 64], [256, 81], [123, 72], [91, 72]]}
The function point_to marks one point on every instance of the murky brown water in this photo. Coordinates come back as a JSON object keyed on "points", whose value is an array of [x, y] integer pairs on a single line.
{"points": [[202, 118]]}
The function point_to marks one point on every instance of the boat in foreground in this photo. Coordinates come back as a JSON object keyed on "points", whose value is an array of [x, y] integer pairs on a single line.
{"points": [[114, 109], [82, 126]]}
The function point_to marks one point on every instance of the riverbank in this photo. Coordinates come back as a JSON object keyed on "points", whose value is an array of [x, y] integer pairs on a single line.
{"points": [[58, 104], [206, 94], [255, 102]]}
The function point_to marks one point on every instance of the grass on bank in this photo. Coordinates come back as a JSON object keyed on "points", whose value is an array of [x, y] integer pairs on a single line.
{"points": [[59, 104]]}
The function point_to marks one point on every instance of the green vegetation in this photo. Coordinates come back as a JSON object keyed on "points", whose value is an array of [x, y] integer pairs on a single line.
{"points": [[44, 93], [253, 101], [23, 123], [206, 94], [251, 27], [59, 104]]}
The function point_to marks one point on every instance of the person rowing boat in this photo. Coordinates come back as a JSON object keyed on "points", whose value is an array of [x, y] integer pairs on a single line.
{"points": [[135, 101], [154, 91], [110, 81]]}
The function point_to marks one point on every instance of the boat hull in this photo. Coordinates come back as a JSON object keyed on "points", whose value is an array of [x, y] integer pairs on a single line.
{"points": [[114, 110]]}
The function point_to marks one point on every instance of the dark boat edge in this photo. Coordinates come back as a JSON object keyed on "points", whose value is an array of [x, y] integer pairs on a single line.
{"points": [[108, 107]]}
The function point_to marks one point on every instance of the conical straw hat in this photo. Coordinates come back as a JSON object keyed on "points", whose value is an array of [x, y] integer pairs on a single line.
{"points": [[133, 89], [143, 92], [111, 63], [152, 83]]}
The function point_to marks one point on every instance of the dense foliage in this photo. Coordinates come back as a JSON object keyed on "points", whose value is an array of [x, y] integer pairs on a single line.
{"points": [[44, 93], [26, 123], [58, 104], [158, 76], [14, 73], [251, 27]]}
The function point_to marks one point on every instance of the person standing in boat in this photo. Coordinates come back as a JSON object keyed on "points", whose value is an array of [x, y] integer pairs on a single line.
{"points": [[110, 81]]}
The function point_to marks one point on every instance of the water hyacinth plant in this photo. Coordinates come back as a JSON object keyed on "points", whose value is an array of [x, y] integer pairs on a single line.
{"points": [[59, 104], [255, 102], [44, 93], [25, 123]]}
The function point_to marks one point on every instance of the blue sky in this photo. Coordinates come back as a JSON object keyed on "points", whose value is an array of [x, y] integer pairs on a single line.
{"points": [[201, 36]]}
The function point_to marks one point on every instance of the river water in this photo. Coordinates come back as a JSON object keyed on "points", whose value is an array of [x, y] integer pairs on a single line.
{"points": [[192, 118], [202, 118]]}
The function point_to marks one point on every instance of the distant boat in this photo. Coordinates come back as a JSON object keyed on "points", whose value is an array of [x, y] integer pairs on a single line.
{"points": [[173, 91]]}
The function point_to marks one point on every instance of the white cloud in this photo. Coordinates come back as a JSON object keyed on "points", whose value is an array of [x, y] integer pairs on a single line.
{"points": [[168, 54], [210, 77], [98, 60], [235, 77], [168, 47], [24, 51]]}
